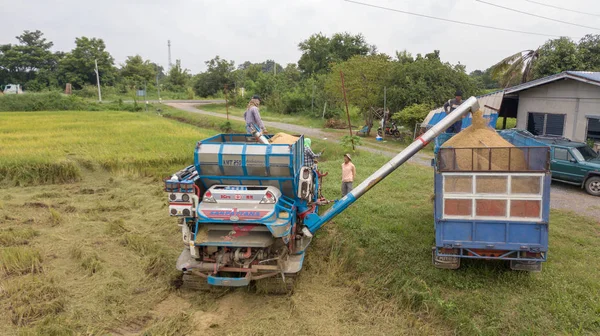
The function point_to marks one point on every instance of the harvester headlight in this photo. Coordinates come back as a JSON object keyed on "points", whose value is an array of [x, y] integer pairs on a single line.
{"points": [[173, 212], [172, 197], [269, 198], [208, 198], [185, 197], [186, 212]]}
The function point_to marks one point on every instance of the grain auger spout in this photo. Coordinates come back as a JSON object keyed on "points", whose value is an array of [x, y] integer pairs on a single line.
{"points": [[313, 221]]}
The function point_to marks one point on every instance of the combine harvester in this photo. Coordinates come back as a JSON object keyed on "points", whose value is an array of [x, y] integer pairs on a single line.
{"points": [[248, 209]]}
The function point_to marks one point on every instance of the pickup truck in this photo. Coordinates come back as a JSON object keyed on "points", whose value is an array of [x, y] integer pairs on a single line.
{"points": [[574, 163]]}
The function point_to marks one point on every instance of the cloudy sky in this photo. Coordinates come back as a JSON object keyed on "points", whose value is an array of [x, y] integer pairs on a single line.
{"points": [[257, 30]]}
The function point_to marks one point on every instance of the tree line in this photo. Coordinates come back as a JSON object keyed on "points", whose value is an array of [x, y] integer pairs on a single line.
{"points": [[413, 83]]}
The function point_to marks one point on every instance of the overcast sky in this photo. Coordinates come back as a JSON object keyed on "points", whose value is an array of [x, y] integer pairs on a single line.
{"points": [[257, 30]]}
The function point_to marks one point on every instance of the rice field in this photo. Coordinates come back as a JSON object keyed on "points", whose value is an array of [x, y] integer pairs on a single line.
{"points": [[54, 147]]}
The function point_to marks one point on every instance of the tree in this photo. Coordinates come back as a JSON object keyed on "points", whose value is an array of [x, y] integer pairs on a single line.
{"points": [[178, 77], [556, 56], [484, 79], [136, 71], [320, 51], [426, 80], [23, 62], [77, 67], [217, 75], [515, 69], [589, 52], [365, 78]]}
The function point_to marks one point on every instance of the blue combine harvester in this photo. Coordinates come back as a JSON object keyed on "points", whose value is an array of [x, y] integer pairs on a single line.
{"points": [[248, 209], [487, 207]]}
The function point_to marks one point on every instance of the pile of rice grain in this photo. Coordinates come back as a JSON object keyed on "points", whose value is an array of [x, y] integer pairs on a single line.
{"points": [[481, 137], [283, 139]]}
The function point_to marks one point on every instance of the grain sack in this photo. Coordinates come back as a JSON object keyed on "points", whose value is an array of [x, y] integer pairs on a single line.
{"points": [[283, 139]]}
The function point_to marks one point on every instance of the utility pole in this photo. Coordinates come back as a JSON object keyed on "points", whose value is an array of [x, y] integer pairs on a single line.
{"points": [[170, 64], [384, 113], [157, 86], [226, 103], [98, 80], [347, 110]]}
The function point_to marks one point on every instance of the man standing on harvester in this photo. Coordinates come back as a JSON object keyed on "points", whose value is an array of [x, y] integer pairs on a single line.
{"points": [[252, 116], [450, 106]]}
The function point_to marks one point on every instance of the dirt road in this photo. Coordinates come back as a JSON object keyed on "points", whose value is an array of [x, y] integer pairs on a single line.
{"points": [[563, 196]]}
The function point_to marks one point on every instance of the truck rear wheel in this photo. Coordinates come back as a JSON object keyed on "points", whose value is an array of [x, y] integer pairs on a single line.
{"points": [[444, 262], [592, 185]]}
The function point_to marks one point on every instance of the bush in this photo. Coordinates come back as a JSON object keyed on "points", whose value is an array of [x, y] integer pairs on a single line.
{"points": [[294, 102], [54, 101], [412, 115]]}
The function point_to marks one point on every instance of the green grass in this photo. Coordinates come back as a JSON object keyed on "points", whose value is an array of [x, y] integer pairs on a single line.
{"points": [[53, 147], [20, 260], [387, 237], [510, 123]]}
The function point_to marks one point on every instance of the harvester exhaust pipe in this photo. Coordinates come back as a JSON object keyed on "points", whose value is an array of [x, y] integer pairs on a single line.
{"points": [[314, 221]]}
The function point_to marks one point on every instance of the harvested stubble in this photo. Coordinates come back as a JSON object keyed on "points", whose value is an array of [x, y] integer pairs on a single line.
{"points": [[474, 148]]}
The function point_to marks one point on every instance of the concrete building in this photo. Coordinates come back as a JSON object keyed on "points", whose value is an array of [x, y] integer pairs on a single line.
{"points": [[566, 104]]}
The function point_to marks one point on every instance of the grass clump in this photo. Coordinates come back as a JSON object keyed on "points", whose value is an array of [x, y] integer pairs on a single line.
{"points": [[116, 228], [16, 236], [32, 298], [88, 261], [20, 260], [55, 217]]}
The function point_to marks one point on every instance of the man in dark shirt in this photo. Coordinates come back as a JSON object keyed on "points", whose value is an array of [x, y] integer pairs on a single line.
{"points": [[450, 106]]}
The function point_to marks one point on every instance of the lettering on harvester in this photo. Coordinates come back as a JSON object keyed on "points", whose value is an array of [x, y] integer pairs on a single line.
{"points": [[235, 213]]}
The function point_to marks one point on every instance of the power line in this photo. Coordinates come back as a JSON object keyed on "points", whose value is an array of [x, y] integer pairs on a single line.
{"points": [[449, 20], [538, 16], [561, 8]]}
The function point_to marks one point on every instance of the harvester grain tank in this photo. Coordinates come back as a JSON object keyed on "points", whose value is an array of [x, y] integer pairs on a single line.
{"points": [[245, 211]]}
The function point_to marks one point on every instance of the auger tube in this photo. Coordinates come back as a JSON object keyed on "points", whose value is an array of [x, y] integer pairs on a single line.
{"points": [[315, 222]]}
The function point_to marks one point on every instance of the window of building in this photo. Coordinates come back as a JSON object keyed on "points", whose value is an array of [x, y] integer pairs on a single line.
{"points": [[545, 123], [593, 129]]}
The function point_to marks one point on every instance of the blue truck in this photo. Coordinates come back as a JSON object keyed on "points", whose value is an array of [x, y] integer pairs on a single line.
{"points": [[249, 207], [492, 211]]}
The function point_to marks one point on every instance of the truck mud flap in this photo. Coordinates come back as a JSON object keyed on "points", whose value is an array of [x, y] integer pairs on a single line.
{"points": [[524, 265], [444, 262]]}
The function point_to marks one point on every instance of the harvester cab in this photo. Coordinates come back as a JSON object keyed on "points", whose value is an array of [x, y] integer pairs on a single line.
{"points": [[248, 207]]}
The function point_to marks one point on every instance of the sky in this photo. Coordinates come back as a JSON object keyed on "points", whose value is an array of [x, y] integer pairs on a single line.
{"points": [[258, 30]]}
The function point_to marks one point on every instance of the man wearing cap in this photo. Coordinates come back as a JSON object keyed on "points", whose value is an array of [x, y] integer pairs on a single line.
{"points": [[252, 116], [450, 106], [348, 174]]}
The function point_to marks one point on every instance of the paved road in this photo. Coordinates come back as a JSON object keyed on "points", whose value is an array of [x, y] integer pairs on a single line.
{"points": [[563, 196]]}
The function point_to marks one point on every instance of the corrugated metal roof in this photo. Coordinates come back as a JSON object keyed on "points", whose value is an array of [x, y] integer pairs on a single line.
{"points": [[582, 76]]}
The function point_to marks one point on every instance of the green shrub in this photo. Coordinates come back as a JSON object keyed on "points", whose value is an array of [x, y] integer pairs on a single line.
{"points": [[54, 101], [412, 115]]}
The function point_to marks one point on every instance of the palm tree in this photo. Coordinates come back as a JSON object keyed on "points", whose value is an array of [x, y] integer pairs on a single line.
{"points": [[514, 66]]}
